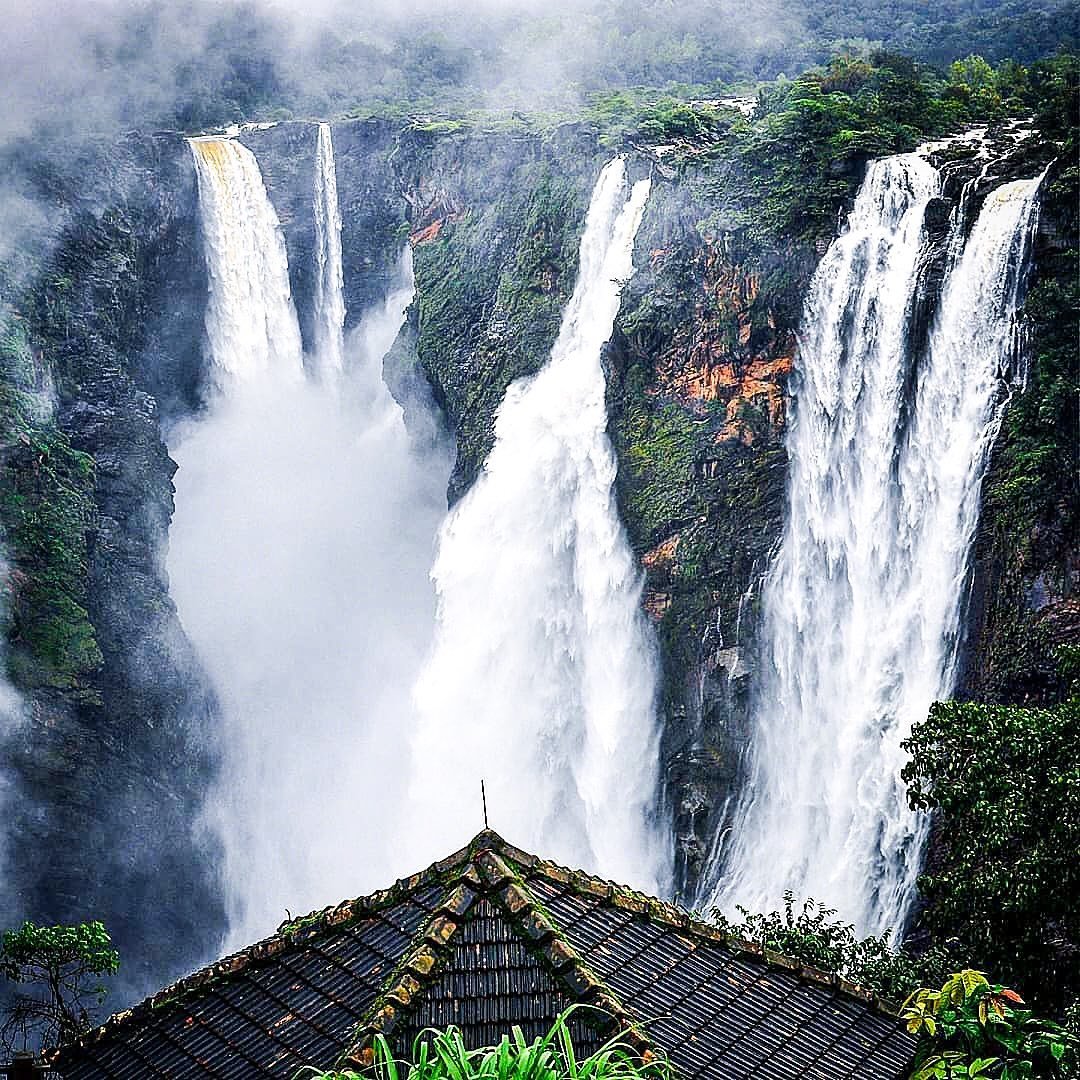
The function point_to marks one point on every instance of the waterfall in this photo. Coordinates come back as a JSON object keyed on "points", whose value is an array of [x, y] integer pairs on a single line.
{"points": [[251, 326], [542, 677], [299, 556], [329, 294], [861, 609]]}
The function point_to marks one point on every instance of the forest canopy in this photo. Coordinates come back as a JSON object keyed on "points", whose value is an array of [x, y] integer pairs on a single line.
{"points": [[213, 64]]}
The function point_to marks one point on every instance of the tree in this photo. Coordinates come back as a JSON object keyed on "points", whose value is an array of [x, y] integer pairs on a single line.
{"points": [[974, 81], [55, 969], [1003, 875]]}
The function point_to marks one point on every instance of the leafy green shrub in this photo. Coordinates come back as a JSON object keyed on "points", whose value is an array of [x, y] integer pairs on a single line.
{"points": [[1071, 1062], [972, 1029], [813, 936]]}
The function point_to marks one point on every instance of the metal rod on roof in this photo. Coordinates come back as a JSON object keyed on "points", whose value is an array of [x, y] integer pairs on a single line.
{"points": [[483, 799]]}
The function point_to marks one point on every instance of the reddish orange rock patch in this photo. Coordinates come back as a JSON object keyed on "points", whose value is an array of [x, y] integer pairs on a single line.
{"points": [[760, 386], [427, 233], [662, 554]]}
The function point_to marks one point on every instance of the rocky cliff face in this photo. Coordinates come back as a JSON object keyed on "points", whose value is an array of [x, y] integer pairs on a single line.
{"points": [[372, 201], [108, 768], [1024, 609], [495, 220], [698, 386]]}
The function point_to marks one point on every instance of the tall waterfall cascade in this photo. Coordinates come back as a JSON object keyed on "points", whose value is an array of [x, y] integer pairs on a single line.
{"points": [[300, 551], [329, 278], [542, 678], [888, 442], [251, 324]]}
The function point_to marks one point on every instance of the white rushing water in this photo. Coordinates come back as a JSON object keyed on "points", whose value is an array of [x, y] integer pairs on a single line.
{"points": [[299, 557], [542, 679], [862, 605], [251, 323], [329, 291]]}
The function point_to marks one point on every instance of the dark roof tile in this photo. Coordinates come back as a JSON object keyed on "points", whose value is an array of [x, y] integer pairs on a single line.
{"points": [[490, 937]]}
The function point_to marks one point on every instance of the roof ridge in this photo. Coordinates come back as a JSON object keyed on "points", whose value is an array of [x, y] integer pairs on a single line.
{"points": [[290, 934], [510, 891], [425, 958], [491, 876], [674, 914], [293, 933]]}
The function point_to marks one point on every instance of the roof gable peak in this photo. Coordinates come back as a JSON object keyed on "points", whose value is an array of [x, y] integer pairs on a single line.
{"points": [[489, 868]]}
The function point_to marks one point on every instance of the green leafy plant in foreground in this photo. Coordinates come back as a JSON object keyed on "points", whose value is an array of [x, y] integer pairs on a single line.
{"points": [[973, 1029], [443, 1055]]}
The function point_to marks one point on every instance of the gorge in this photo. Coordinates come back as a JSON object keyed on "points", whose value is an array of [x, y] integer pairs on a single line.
{"points": [[303, 509], [706, 481]]}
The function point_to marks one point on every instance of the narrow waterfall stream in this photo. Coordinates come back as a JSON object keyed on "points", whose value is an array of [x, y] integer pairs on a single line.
{"points": [[299, 557], [12, 720], [329, 279], [542, 678], [888, 446]]}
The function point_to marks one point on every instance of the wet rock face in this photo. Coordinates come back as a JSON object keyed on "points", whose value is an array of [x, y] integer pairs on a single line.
{"points": [[109, 767], [495, 221], [698, 394], [372, 203], [374, 211], [1024, 603], [286, 156]]}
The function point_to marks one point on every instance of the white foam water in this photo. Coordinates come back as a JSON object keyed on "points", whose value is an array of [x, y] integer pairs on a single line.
{"points": [[542, 678], [299, 556], [862, 605]]}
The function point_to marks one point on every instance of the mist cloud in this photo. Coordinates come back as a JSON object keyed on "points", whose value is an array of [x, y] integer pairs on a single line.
{"points": [[97, 65], [299, 554]]}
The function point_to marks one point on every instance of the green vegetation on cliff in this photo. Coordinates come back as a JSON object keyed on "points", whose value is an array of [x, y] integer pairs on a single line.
{"points": [[494, 263], [46, 512]]}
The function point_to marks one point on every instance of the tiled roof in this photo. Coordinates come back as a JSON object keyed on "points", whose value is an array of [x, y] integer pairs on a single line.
{"points": [[488, 938]]}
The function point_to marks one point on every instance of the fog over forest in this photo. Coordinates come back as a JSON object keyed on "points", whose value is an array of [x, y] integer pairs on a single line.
{"points": [[84, 65]]}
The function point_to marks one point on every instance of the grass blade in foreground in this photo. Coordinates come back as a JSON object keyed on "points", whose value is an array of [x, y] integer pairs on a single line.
{"points": [[443, 1055]]}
